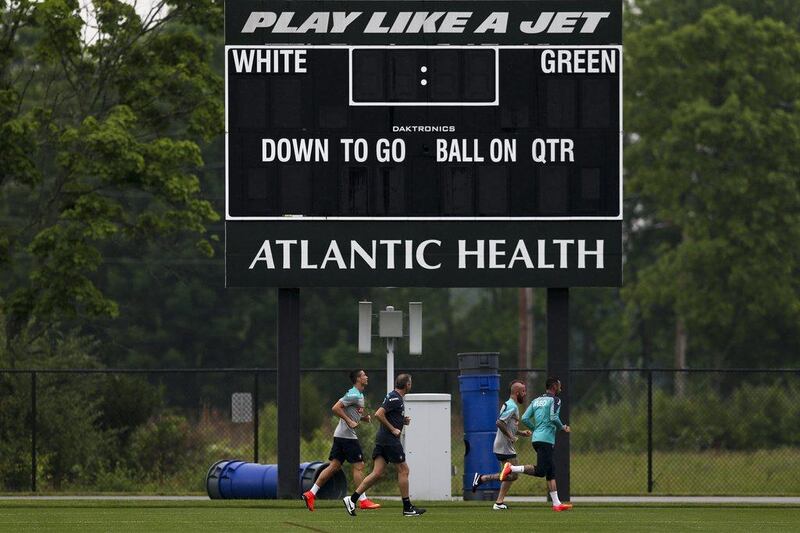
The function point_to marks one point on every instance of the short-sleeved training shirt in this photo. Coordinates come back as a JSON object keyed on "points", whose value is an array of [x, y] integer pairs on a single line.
{"points": [[509, 413], [394, 408], [543, 417], [353, 401]]}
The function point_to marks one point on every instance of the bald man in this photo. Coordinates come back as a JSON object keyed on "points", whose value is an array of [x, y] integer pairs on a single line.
{"points": [[507, 431]]}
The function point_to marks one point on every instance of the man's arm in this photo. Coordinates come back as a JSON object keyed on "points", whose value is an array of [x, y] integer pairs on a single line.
{"points": [[555, 409], [527, 418], [380, 414], [501, 425], [338, 410]]}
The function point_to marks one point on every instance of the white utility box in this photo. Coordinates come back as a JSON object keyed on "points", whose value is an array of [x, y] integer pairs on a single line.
{"points": [[427, 445]]}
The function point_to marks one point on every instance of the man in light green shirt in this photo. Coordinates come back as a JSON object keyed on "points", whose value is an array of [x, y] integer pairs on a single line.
{"points": [[350, 410], [507, 433]]}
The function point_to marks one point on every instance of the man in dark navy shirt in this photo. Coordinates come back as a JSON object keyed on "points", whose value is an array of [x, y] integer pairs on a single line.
{"points": [[388, 448]]}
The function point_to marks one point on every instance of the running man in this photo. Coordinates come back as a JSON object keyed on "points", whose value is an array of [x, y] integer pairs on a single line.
{"points": [[507, 424], [350, 410], [388, 448], [542, 417]]}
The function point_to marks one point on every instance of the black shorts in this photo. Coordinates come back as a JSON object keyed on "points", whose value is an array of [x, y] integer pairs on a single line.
{"points": [[503, 457], [393, 453], [346, 449], [544, 460]]}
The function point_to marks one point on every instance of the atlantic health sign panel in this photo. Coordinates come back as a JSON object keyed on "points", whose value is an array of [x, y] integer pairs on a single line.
{"points": [[435, 143]]}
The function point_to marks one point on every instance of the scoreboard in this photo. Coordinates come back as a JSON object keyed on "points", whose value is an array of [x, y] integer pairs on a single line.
{"points": [[423, 143]]}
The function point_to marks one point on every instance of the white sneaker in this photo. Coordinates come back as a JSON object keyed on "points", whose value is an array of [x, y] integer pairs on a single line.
{"points": [[349, 505], [500, 507]]}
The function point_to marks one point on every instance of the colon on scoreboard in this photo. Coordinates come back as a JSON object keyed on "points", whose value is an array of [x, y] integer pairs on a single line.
{"points": [[424, 76]]}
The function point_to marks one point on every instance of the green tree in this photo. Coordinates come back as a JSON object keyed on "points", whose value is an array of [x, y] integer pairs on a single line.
{"points": [[677, 13], [102, 117], [712, 113]]}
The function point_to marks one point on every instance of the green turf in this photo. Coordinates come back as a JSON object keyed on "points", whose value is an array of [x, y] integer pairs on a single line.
{"points": [[709, 473], [108, 516]]}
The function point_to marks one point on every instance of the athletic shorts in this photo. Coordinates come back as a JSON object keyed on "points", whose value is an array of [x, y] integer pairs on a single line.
{"points": [[503, 457], [393, 453], [544, 460], [346, 449]]}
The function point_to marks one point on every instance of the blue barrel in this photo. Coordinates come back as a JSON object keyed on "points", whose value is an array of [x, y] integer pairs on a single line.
{"points": [[239, 480], [476, 459], [479, 384], [480, 398]]}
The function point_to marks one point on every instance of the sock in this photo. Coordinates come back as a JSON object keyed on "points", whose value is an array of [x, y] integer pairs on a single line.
{"points": [[554, 497], [406, 504], [355, 497], [518, 469], [362, 497], [314, 489]]}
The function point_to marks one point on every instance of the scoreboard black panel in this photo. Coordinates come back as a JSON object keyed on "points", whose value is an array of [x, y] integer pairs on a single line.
{"points": [[580, 179], [451, 118]]}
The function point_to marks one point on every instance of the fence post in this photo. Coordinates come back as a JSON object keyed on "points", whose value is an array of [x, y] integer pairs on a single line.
{"points": [[649, 431], [255, 417], [558, 365], [33, 431], [288, 392]]}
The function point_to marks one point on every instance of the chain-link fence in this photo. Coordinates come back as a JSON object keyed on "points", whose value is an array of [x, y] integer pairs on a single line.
{"points": [[126, 431], [635, 431]]}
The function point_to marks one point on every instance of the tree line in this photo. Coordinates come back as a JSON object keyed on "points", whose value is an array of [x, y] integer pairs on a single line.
{"points": [[111, 190]]}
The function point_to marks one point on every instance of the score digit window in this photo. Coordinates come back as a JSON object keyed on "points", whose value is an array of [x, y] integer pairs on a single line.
{"points": [[443, 76]]}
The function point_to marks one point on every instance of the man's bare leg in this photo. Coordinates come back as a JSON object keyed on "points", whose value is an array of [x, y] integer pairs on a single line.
{"points": [[333, 467], [358, 473], [505, 484], [377, 472], [402, 479], [350, 502], [358, 478]]}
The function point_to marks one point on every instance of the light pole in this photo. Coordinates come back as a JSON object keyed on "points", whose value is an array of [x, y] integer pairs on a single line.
{"points": [[390, 327]]}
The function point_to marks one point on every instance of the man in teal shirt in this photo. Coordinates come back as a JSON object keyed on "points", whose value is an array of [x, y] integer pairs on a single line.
{"points": [[542, 416]]}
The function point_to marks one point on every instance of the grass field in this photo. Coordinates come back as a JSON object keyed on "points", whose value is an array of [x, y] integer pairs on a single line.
{"points": [[113, 516], [711, 473], [696, 473]]}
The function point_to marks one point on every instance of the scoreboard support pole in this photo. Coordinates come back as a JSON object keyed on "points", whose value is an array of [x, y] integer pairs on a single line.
{"points": [[558, 366], [288, 393]]}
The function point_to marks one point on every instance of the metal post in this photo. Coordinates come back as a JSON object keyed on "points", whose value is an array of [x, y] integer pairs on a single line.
{"points": [[255, 417], [389, 365], [650, 431], [558, 366], [33, 431], [288, 392]]}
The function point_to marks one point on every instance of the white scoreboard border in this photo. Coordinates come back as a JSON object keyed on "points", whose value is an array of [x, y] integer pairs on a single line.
{"points": [[350, 49]]}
